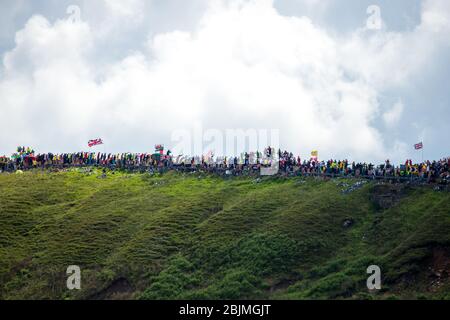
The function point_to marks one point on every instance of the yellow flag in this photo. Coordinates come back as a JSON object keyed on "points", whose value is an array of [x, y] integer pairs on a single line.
{"points": [[314, 153]]}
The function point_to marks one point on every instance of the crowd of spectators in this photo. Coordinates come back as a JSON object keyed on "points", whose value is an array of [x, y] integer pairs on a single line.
{"points": [[247, 163]]}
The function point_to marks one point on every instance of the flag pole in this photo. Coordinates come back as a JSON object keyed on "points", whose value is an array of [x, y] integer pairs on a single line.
{"points": [[422, 151]]}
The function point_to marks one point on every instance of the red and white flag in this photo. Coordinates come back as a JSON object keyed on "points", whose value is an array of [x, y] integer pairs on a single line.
{"points": [[418, 146], [94, 142]]}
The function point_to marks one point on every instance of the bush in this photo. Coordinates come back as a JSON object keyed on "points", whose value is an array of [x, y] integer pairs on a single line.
{"points": [[237, 284], [172, 281], [333, 286], [265, 254]]}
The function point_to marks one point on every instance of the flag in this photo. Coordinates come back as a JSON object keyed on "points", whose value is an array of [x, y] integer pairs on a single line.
{"points": [[314, 153], [94, 142], [159, 148], [418, 146]]}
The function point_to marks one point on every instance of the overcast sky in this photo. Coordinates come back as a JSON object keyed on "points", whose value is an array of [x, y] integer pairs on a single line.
{"points": [[133, 72]]}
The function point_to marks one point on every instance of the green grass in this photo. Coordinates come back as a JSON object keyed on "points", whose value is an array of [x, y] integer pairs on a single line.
{"points": [[196, 236]]}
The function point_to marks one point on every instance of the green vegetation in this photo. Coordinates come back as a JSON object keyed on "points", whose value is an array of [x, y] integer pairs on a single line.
{"points": [[193, 236]]}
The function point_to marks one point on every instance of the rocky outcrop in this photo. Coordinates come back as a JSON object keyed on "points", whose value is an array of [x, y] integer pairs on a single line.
{"points": [[385, 196]]}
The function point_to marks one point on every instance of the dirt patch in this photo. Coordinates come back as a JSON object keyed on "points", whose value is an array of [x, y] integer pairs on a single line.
{"points": [[439, 267], [119, 289], [282, 285], [431, 274], [25, 263]]}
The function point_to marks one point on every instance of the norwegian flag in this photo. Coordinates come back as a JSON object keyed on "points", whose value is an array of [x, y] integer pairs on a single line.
{"points": [[418, 146], [94, 142]]}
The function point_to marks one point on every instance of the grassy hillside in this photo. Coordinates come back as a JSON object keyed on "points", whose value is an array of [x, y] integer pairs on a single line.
{"points": [[196, 237]]}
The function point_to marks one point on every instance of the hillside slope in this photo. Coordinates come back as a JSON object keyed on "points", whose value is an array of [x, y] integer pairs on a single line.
{"points": [[137, 236]]}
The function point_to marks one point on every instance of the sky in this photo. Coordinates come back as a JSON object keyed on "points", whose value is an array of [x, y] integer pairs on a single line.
{"points": [[355, 79]]}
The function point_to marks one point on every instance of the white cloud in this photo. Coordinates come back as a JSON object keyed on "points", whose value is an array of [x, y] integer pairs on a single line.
{"points": [[245, 66], [114, 19], [129, 8], [393, 116], [41, 45], [436, 16]]}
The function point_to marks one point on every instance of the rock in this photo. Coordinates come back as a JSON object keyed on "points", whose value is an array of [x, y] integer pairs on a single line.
{"points": [[385, 196], [348, 223], [354, 187]]}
